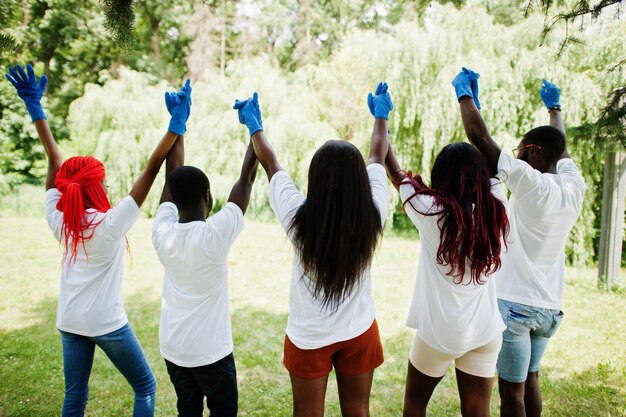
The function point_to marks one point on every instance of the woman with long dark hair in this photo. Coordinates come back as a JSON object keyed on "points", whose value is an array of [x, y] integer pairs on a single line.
{"points": [[462, 225], [90, 309], [334, 230]]}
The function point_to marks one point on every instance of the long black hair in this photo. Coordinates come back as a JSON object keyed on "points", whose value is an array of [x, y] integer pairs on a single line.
{"points": [[336, 230]]}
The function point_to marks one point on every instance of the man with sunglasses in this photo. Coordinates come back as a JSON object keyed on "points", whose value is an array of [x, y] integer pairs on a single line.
{"points": [[547, 192]]}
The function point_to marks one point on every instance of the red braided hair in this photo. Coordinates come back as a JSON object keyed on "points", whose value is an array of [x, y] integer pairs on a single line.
{"points": [[80, 182]]}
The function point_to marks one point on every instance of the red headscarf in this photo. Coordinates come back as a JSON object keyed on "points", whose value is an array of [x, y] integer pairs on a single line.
{"points": [[80, 182]]}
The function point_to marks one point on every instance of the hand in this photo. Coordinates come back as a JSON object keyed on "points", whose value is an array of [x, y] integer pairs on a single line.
{"points": [[474, 76], [179, 107], [550, 94], [29, 89], [249, 113], [466, 85], [380, 103]]}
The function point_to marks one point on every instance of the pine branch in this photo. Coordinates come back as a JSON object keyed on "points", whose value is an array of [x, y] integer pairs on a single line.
{"points": [[9, 45], [582, 8], [120, 20], [611, 126], [608, 133]]}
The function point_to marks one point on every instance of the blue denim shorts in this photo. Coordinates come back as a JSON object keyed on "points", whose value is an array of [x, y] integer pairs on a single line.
{"points": [[528, 330]]}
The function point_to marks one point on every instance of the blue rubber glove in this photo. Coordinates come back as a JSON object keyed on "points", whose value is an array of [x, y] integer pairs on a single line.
{"points": [[249, 113], [29, 89], [550, 94], [179, 107], [474, 76], [466, 85], [380, 103]]}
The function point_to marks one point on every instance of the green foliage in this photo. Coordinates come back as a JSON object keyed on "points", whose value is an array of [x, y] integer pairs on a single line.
{"points": [[119, 20], [121, 121], [571, 20], [313, 64], [9, 45], [21, 154], [68, 40]]}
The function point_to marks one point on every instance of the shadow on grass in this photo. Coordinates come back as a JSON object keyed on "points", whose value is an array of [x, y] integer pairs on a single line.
{"points": [[32, 373]]}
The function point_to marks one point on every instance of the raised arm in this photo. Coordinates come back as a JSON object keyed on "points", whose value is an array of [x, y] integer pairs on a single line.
{"points": [[466, 88], [249, 114], [550, 95], [265, 154], [240, 194], [179, 106], [31, 91], [174, 159], [380, 105], [395, 173]]}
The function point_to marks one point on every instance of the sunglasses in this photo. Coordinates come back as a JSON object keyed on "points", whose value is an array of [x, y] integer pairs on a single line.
{"points": [[521, 148]]}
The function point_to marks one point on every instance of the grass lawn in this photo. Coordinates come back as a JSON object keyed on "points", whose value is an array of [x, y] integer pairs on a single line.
{"points": [[584, 369]]}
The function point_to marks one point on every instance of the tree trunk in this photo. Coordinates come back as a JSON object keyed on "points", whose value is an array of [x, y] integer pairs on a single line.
{"points": [[223, 39], [307, 5], [46, 71], [612, 222], [154, 42]]}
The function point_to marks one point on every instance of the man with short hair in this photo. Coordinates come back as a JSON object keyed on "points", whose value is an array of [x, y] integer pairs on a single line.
{"points": [[547, 192], [195, 330]]}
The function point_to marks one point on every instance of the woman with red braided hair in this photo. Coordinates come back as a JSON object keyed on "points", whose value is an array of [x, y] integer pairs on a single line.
{"points": [[90, 310], [462, 223]]}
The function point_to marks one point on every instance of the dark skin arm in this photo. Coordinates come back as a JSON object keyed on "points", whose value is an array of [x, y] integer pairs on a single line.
{"points": [[265, 154], [380, 142], [175, 158], [142, 186], [557, 121], [55, 159], [240, 194], [394, 172], [478, 134]]}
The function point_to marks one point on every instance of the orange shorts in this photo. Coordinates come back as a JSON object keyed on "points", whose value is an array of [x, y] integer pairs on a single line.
{"points": [[355, 356]]}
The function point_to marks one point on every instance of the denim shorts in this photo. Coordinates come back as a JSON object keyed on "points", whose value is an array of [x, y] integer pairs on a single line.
{"points": [[528, 330]]}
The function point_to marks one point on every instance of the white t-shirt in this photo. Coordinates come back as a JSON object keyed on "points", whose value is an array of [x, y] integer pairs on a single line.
{"points": [[195, 325], [310, 325], [451, 318], [542, 210], [90, 300]]}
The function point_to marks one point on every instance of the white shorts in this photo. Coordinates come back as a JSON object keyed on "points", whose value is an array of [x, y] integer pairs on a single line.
{"points": [[479, 362]]}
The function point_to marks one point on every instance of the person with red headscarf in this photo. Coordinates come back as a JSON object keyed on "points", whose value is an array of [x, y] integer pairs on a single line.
{"points": [[90, 310]]}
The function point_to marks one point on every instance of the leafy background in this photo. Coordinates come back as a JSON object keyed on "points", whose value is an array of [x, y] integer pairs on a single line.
{"points": [[313, 63]]}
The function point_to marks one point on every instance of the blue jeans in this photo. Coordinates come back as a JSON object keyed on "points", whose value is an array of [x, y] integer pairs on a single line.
{"points": [[124, 351], [217, 382], [524, 341]]}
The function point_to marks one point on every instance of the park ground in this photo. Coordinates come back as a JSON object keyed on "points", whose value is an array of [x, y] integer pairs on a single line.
{"points": [[583, 374]]}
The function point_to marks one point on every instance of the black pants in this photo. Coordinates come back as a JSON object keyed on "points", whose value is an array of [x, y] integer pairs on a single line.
{"points": [[217, 382]]}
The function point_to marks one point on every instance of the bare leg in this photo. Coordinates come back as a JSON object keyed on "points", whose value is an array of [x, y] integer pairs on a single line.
{"points": [[532, 396], [511, 398], [475, 393], [419, 389], [308, 396], [354, 394]]}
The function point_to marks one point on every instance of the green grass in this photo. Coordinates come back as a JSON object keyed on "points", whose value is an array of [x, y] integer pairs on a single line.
{"points": [[584, 369]]}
